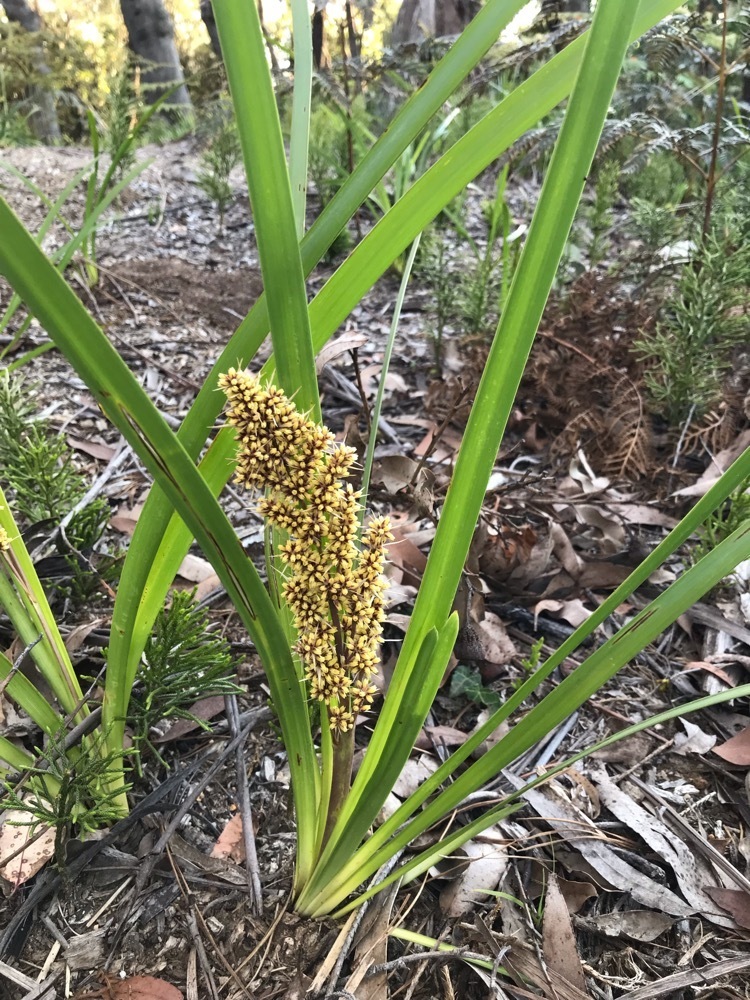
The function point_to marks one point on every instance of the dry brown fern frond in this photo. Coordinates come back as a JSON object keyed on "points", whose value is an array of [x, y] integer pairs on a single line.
{"points": [[713, 432], [626, 448], [579, 431]]}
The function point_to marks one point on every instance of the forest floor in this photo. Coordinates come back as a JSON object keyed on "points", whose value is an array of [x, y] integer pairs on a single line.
{"points": [[627, 875]]}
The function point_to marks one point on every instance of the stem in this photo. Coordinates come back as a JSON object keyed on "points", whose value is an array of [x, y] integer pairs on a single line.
{"points": [[377, 409], [345, 78], [341, 749], [712, 177], [341, 779]]}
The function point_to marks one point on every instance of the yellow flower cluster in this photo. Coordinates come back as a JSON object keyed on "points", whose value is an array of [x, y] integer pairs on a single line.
{"points": [[5, 542], [335, 590]]}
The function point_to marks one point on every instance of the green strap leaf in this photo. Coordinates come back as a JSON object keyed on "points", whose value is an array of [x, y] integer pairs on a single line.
{"points": [[271, 199]]}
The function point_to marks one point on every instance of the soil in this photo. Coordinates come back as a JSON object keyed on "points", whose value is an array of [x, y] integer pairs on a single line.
{"points": [[585, 485]]}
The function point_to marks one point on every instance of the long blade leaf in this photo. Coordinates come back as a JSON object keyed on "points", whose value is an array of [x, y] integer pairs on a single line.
{"points": [[128, 407]]}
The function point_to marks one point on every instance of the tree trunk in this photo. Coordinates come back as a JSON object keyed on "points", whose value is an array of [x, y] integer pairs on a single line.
{"points": [[355, 39], [43, 119], [207, 16], [421, 19], [151, 40], [321, 60]]}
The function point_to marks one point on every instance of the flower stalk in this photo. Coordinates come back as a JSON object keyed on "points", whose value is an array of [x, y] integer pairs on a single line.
{"points": [[332, 585]]}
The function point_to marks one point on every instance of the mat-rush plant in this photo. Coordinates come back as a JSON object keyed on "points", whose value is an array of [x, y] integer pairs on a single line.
{"points": [[335, 849]]}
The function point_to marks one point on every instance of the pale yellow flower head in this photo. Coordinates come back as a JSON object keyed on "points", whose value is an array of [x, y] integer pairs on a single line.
{"points": [[333, 587]]}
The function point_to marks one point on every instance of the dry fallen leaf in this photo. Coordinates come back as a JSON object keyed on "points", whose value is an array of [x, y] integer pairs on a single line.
{"points": [[558, 940], [693, 873], [493, 738], [602, 576], [17, 832], [436, 736], [96, 449], [718, 464], [335, 348], [573, 612], [613, 533], [737, 749], [608, 867], [487, 864], [497, 646], [78, 635], [639, 925], [584, 476], [195, 569], [626, 751], [525, 966], [126, 519], [404, 555], [143, 988], [205, 709], [697, 665], [415, 771], [372, 949], [694, 740], [394, 472], [641, 513], [499, 552], [576, 893], [230, 843], [734, 901]]}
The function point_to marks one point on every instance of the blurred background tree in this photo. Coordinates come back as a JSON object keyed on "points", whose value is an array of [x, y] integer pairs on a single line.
{"points": [[151, 40], [42, 114]]}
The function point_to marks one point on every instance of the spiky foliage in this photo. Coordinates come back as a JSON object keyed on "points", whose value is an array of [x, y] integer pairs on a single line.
{"points": [[66, 789], [220, 157], [329, 151], [183, 662], [691, 144], [120, 115], [650, 115], [36, 463], [689, 351], [434, 269], [666, 46], [333, 588], [654, 225]]}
